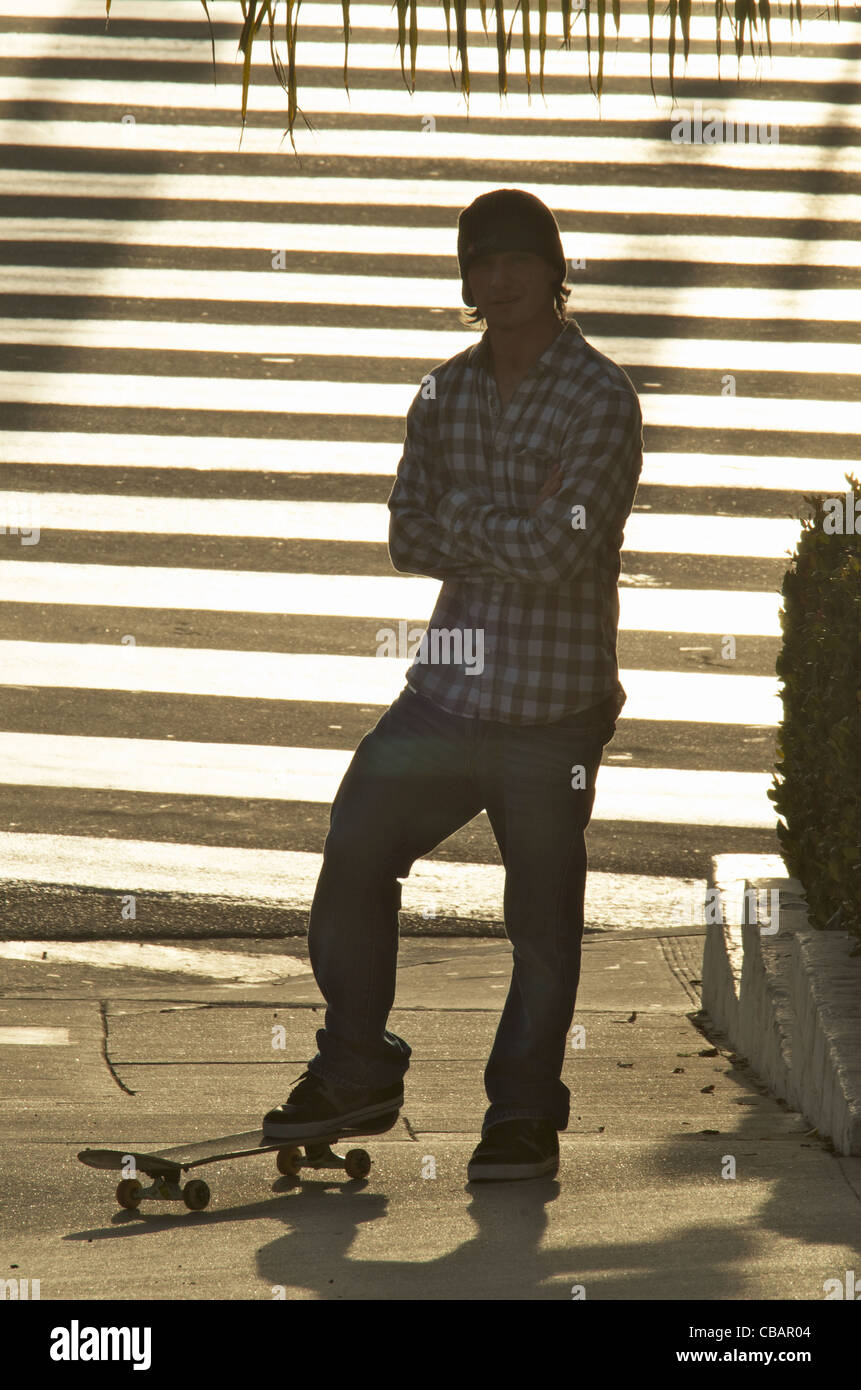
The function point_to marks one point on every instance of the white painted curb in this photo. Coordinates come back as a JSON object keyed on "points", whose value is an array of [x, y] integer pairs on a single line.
{"points": [[789, 1001]]}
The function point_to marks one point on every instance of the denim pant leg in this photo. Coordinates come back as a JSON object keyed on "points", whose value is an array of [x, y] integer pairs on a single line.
{"points": [[407, 788], [539, 818]]}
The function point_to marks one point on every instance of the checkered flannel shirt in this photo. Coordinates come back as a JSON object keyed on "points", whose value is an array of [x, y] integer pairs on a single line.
{"points": [[542, 587]]}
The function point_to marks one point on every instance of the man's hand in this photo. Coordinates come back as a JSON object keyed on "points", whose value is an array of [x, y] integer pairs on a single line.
{"points": [[550, 487]]}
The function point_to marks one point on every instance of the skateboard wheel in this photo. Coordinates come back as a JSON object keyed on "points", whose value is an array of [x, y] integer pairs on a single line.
{"points": [[129, 1193], [195, 1194], [357, 1163], [289, 1161]]}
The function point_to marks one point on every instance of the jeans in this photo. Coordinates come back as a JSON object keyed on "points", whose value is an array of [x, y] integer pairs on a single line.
{"points": [[414, 779]]}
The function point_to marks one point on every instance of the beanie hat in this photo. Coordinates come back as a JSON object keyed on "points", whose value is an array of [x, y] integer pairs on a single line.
{"points": [[507, 220]]}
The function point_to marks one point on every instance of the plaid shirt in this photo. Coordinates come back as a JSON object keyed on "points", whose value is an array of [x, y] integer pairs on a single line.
{"points": [[542, 588]]}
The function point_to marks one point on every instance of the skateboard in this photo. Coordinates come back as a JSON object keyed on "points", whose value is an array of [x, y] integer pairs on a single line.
{"points": [[166, 1166]]}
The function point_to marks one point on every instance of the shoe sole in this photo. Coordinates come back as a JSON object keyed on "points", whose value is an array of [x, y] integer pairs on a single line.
{"points": [[508, 1172], [354, 1122]]}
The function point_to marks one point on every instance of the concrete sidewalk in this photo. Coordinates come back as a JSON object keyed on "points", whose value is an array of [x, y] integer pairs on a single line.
{"points": [[680, 1179]]}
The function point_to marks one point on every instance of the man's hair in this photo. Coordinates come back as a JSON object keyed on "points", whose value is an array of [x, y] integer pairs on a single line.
{"points": [[471, 318]]}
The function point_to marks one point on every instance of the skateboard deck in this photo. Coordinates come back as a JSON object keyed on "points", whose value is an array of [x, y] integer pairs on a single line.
{"points": [[166, 1166]]}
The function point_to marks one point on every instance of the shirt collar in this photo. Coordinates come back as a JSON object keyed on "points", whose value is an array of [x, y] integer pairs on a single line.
{"points": [[552, 360]]}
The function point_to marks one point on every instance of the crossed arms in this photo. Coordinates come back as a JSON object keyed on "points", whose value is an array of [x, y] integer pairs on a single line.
{"points": [[460, 532]]}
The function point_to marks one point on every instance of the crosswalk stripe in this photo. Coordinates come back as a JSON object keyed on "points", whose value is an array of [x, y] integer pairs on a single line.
{"points": [[287, 879], [800, 358], [715, 698], [379, 16], [417, 145], [254, 287], [337, 457], [357, 239], [786, 68], [375, 399], [654, 533], [32, 1035], [744, 613], [118, 955], [727, 202], [657, 795], [620, 109]]}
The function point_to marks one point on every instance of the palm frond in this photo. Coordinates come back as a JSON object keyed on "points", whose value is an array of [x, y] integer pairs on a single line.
{"points": [[527, 44], [407, 8], [501, 48], [650, 10], [345, 12], [446, 4], [566, 23], [460, 7], [414, 42], [765, 12], [744, 17], [685, 18]]}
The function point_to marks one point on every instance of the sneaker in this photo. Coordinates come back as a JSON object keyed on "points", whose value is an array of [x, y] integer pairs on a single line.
{"points": [[518, 1148], [317, 1109]]}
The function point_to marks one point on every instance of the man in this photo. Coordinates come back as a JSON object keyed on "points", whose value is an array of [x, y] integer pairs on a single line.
{"points": [[520, 467]]}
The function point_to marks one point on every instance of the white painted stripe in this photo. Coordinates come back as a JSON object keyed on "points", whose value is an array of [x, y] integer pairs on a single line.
{"points": [[713, 698], [282, 192], [429, 19], [122, 955], [432, 57], [743, 612], [288, 879], [34, 1036], [418, 145], [669, 796], [203, 452], [344, 238], [732, 872], [656, 533], [287, 344], [616, 107], [268, 286], [316, 457], [767, 471], [367, 399]]}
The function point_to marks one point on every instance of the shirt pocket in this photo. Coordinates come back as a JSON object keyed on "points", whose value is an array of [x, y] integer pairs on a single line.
{"points": [[527, 469]]}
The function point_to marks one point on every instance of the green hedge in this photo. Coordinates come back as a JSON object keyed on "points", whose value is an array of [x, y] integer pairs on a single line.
{"points": [[817, 786]]}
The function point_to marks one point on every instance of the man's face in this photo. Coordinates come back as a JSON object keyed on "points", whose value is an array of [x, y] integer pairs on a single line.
{"points": [[511, 288]]}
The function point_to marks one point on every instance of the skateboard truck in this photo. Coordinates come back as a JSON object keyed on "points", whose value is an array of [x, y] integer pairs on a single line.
{"points": [[165, 1168]]}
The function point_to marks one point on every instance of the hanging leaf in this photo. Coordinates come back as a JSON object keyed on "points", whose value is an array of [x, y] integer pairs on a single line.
{"points": [[542, 40], [446, 4], [463, 55], [765, 12], [719, 7], [589, 46], [501, 48], [414, 42], [650, 10], [524, 8], [402, 37], [685, 17], [345, 13], [566, 23]]}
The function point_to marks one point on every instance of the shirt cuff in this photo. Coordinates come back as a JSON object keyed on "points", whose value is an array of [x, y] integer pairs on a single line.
{"points": [[452, 509]]}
